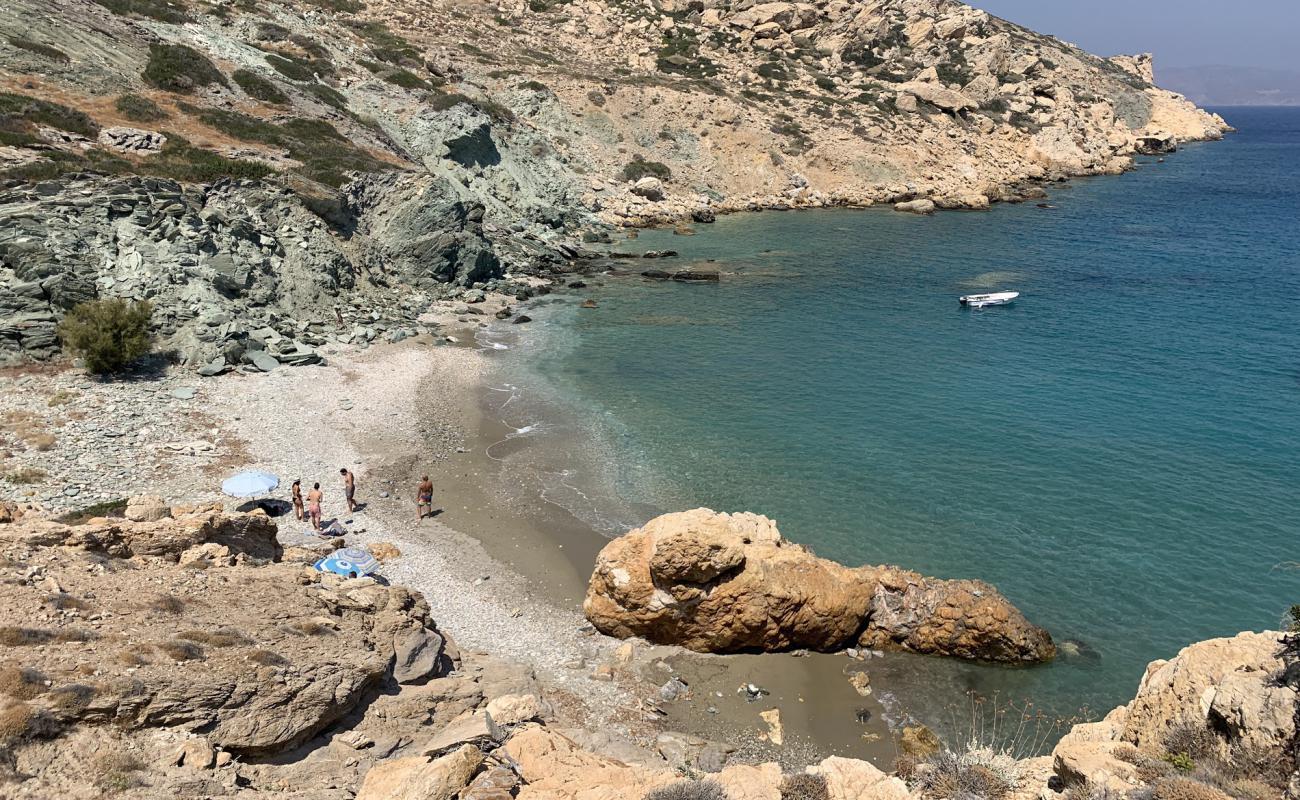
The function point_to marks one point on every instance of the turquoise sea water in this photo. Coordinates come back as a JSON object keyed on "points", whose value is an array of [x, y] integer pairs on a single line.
{"points": [[1119, 452]]}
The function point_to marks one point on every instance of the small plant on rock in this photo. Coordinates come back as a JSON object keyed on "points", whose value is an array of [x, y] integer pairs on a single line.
{"points": [[257, 87], [21, 683], [107, 334], [140, 109], [688, 790], [804, 786], [167, 604], [180, 650], [639, 168], [117, 771]]}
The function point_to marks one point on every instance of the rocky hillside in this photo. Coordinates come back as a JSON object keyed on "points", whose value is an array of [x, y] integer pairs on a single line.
{"points": [[183, 651], [322, 169]]}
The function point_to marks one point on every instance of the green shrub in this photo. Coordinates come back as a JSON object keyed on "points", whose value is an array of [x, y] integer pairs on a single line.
{"points": [[299, 69], [405, 79], [16, 109], [181, 69], [997, 105], [327, 95], [52, 53], [639, 168], [257, 87], [348, 6], [161, 10], [386, 45], [824, 83], [140, 109], [271, 32], [952, 73], [538, 86], [108, 334]]}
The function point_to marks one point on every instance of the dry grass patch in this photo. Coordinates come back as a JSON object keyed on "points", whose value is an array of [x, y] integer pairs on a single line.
{"points": [[180, 650], [117, 771], [72, 698], [130, 658], [167, 604], [311, 627], [267, 658], [75, 635], [67, 601], [25, 475], [21, 683], [12, 636], [28, 428], [219, 638], [61, 397]]}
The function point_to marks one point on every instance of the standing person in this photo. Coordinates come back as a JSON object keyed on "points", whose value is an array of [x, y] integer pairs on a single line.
{"points": [[296, 490], [349, 487], [423, 498], [313, 505]]}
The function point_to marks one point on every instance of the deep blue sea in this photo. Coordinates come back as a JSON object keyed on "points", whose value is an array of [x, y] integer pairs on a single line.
{"points": [[1119, 451]]}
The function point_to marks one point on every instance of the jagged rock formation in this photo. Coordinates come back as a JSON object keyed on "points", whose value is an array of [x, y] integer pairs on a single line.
{"points": [[524, 122], [728, 582], [234, 268]]}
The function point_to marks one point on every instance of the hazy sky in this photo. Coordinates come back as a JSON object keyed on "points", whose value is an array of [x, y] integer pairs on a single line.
{"points": [[1181, 33]]}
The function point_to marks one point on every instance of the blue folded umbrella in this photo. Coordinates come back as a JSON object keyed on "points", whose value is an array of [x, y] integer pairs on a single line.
{"points": [[252, 483], [350, 562]]}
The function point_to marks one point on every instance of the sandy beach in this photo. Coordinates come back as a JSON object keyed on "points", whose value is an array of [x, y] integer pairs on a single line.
{"points": [[503, 570]]}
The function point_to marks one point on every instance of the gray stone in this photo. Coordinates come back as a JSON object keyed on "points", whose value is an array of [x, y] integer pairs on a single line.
{"points": [[262, 360], [418, 655], [214, 367], [184, 393]]}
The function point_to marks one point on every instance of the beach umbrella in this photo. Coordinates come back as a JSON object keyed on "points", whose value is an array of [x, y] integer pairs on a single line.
{"points": [[350, 562], [252, 483]]}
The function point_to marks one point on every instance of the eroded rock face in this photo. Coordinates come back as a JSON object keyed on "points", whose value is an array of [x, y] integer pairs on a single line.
{"points": [[728, 582], [257, 655]]}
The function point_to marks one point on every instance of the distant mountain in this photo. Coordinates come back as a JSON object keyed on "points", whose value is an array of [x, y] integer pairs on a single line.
{"points": [[1234, 86]]}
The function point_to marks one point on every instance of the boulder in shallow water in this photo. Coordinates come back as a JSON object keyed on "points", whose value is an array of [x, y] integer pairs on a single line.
{"points": [[716, 582]]}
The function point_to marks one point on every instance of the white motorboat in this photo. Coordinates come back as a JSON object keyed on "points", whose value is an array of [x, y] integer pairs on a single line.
{"points": [[981, 300]]}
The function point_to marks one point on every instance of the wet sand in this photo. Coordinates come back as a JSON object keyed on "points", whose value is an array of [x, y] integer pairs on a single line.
{"points": [[553, 552]]}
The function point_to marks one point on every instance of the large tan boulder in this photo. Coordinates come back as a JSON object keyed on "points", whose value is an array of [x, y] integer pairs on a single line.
{"points": [[851, 779], [555, 768], [716, 582], [939, 96], [419, 778], [1229, 685]]}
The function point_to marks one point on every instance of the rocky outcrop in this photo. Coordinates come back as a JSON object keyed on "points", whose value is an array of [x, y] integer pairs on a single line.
{"points": [[729, 583], [1225, 698], [193, 626]]}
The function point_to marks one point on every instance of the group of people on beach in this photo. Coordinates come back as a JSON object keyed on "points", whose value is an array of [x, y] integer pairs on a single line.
{"points": [[312, 510]]}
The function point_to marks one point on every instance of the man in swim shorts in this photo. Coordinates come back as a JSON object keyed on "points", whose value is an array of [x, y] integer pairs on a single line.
{"points": [[349, 487], [423, 498]]}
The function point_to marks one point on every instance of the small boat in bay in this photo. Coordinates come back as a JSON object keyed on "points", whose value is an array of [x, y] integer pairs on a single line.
{"points": [[993, 299]]}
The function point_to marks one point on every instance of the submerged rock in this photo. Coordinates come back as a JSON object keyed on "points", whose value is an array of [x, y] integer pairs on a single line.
{"points": [[716, 582]]}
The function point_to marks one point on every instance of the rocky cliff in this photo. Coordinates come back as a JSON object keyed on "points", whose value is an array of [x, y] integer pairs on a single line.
{"points": [[277, 174], [729, 583]]}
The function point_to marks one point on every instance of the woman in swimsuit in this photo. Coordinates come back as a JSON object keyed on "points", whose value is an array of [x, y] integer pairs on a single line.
{"points": [[424, 498], [297, 501], [313, 505]]}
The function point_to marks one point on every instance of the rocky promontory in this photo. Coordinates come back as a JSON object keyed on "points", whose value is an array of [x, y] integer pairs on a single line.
{"points": [[726, 583]]}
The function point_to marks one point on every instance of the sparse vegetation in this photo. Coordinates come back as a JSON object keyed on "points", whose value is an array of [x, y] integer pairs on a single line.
{"points": [[257, 87], [689, 790], [327, 95], [639, 168], [386, 45], [345, 6], [803, 786], [130, 658], [267, 658], [219, 638], [73, 698], [104, 508], [536, 86], [327, 156], [29, 428], [117, 771], [180, 69], [64, 601], [140, 109], [24, 476], [180, 650], [167, 604], [161, 10], [108, 334], [21, 683], [405, 79], [12, 636], [19, 114], [52, 53], [310, 627], [17, 722]]}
